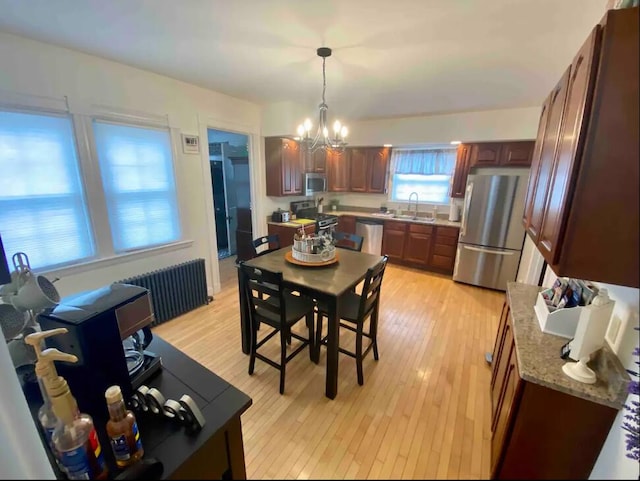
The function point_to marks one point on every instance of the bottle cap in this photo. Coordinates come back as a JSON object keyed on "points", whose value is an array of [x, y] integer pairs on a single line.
{"points": [[113, 394]]}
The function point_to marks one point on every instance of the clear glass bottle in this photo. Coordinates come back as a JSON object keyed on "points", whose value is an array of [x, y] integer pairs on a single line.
{"points": [[122, 429]]}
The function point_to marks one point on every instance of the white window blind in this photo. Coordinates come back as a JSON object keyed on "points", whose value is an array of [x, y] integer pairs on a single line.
{"points": [[424, 171], [42, 208], [139, 185]]}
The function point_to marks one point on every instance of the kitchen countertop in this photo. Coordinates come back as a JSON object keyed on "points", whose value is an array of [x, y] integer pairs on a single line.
{"points": [[539, 359], [370, 215]]}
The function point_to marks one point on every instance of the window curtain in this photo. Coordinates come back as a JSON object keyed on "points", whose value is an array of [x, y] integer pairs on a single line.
{"points": [[424, 161]]}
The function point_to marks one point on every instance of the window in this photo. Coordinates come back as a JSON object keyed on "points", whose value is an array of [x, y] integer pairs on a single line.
{"points": [[42, 206], [425, 171], [139, 186]]}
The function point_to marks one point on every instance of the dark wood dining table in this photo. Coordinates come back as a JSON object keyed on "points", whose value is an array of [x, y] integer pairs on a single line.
{"points": [[324, 283]]}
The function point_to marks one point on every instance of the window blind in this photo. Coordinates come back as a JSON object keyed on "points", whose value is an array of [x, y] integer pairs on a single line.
{"points": [[42, 208], [136, 166], [424, 161]]}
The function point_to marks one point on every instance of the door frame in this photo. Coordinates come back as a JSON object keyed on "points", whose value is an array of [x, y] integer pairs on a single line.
{"points": [[256, 171]]}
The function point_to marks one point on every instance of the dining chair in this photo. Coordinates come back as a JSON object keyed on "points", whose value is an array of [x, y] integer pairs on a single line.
{"points": [[267, 240], [348, 241], [355, 310], [271, 304]]}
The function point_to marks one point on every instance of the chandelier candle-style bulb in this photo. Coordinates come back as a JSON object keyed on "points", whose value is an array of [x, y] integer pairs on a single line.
{"points": [[323, 139]]}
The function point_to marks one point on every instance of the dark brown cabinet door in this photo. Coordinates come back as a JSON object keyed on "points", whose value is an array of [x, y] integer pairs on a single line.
{"points": [[358, 172], [485, 155], [459, 182], [338, 172], [541, 179], [378, 160], [347, 223], [283, 167], [285, 234], [315, 161], [564, 172], [535, 164], [510, 384], [418, 242], [516, 154], [393, 240]]}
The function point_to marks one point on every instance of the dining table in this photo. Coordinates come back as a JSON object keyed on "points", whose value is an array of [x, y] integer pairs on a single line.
{"points": [[325, 283]]}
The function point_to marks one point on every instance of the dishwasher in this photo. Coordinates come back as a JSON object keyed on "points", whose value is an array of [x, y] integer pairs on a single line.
{"points": [[371, 232]]}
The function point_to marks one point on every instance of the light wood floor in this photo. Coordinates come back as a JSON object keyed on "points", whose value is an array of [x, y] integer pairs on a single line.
{"points": [[423, 411]]}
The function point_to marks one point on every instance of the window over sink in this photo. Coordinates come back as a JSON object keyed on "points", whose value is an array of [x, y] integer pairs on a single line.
{"points": [[427, 172]]}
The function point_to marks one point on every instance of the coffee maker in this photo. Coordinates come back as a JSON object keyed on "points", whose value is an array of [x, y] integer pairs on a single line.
{"points": [[104, 333]]}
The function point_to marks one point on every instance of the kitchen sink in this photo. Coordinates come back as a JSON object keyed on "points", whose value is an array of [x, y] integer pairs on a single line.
{"points": [[423, 220]]}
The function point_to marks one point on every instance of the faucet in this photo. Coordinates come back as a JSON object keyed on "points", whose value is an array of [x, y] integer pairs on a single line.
{"points": [[415, 212]]}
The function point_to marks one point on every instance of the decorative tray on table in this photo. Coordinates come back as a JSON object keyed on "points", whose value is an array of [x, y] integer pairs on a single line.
{"points": [[312, 250]]}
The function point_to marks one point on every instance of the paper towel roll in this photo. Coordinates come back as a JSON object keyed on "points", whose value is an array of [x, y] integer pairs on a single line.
{"points": [[454, 212]]}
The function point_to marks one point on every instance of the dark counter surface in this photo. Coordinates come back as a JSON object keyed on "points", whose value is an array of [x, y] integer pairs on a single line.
{"points": [[163, 438]]}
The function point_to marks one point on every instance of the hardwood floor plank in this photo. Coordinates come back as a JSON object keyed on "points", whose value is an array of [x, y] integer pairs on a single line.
{"points": [[423, 411]]}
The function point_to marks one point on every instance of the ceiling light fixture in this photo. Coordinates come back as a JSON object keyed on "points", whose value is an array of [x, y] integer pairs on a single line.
{"points": [[387, 145], [455, 142], [325, 138]]}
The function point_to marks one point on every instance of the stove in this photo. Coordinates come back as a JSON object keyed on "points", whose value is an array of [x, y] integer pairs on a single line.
{"points": [[306, 209]]}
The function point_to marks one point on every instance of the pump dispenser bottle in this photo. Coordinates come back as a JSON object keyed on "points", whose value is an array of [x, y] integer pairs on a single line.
{"points": [[74, 437], [46, 416], [122, 429]]}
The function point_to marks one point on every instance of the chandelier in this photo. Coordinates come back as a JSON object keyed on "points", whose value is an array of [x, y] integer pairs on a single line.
{"points": [[331, 140]]}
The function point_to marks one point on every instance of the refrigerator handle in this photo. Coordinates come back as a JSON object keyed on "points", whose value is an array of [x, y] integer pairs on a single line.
{"points": [[465, 211], [489, 251]]}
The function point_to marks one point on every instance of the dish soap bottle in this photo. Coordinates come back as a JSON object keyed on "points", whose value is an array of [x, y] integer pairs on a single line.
{"points": [[75, 437], [45, 369], [122, 429]]}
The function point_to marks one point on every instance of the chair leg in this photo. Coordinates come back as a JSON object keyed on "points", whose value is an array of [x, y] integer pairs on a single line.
{"points": [[318, 337], [359, 353], [373, 332], [312, 342], [252, 356], [283, 357]]}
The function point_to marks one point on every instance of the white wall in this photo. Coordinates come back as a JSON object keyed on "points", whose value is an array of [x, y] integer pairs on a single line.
{"points": [[37, 68]]}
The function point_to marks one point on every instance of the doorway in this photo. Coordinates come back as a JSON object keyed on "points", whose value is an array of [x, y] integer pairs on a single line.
{"points": [[229, 164]]}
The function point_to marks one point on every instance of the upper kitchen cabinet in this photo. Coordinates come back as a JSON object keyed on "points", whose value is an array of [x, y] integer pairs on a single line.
{"points": [[338, 172], [316, 161], [583, 205], [516, 154], [485, 154], [283, 166], [543, 166], [369, 168], [459, 183], [488, 154]]}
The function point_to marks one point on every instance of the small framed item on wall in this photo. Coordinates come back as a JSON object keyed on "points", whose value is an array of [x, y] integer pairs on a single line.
{"points": [[190, 144]]}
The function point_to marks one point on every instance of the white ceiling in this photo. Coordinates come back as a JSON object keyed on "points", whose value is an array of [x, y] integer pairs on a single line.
{"points": [[390, 57]]}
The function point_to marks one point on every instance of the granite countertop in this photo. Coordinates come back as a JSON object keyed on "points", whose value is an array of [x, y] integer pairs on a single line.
{"points": [[371, 215], [377, 215], [539, 359]]}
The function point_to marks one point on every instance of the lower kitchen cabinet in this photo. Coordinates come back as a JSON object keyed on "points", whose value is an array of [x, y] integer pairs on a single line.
{"points": [[539, 429], [393, 237], [347, 223], [285, 233], [418, 245]]}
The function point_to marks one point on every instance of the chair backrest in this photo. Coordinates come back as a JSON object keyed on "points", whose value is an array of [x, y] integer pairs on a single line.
{"points": [[371, 289], [263, 289], [268, 240], [348, 241]]}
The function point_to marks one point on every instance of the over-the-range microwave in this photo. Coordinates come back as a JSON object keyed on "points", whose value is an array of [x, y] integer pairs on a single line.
{"points": [[314, 183]]}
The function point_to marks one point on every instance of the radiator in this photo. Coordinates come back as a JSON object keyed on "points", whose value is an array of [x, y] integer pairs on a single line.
{"points": [[175, 290]]}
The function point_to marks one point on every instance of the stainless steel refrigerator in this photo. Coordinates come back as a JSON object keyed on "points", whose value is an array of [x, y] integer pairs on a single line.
{"points": [[491, 234]]}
